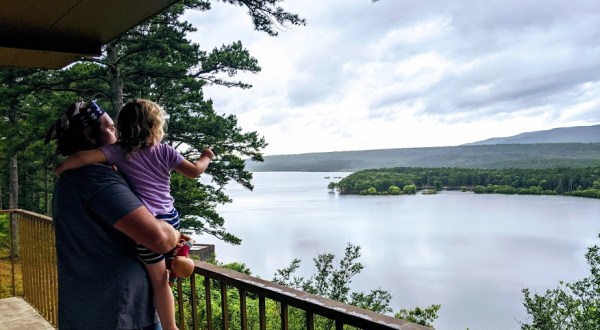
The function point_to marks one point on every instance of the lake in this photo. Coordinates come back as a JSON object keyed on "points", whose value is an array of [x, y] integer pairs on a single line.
{"points": [[471, 253]]}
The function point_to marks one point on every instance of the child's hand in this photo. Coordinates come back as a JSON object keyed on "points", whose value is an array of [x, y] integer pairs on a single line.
{"points": [[208, 153]]}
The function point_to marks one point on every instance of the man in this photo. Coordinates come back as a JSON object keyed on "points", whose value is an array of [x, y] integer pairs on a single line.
{"points": [[98, 219]]}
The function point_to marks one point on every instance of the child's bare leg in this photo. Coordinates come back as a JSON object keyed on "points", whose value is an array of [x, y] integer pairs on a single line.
{"points": [[163, 296]]}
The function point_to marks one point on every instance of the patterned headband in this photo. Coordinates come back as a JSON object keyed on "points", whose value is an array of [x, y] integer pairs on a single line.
{"points": [[82, 112]]}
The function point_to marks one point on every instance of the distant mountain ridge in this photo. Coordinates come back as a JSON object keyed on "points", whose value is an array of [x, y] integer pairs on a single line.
{"points": [[575, 134], [560, 147]]}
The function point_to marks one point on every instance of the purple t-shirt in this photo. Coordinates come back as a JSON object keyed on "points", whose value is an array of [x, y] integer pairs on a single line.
{"points": [[148, 172]]}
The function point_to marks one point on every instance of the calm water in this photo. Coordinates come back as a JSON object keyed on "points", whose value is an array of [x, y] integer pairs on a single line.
{"points": [[470, 253]]}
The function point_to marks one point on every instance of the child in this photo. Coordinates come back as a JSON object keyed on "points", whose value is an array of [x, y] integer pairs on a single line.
{"points": [[146, 163]]}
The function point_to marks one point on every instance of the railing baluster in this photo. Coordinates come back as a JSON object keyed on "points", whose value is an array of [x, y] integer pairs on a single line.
{"points": [[209, 323], [284, 316], [54, 278], [180, 312], [25, 239], [37, 261], [310, 321], [12, 233], [36, 293], [27, 258], [243, 313], [261, 313], [194, 301], [46, 269], [44, 287], [224, 308]]}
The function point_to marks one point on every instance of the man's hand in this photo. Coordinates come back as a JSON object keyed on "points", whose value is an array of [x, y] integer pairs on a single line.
{"points": [[184, 237], [141, 226]]}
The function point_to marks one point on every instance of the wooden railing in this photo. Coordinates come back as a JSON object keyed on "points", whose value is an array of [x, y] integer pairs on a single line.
{"points": [[203, 300], [37, 259], [294, 309]]}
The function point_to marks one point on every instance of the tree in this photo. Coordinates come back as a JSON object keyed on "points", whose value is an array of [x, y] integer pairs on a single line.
{"points": [[410, 189], [155, 60], [394, 190], [333, 282], [418, 315], [173, 73], [574, 305], [331, 186], [544, 185], [23, 109]]}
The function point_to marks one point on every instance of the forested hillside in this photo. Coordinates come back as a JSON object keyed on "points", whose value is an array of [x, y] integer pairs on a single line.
{"points": [[548, 155], [577, 134]]}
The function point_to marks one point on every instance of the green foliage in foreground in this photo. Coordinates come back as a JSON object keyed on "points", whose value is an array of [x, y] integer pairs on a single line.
{"points": [[333, 282], [422, 316], [329, 280], [4, 239], [573, 305], [584, 182]]}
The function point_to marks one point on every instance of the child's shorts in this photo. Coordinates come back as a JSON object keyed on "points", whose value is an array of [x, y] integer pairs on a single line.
{"points": [[149, 257]]}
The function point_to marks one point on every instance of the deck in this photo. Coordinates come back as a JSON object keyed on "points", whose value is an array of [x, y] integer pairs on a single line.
{"points": [[17, 314]]}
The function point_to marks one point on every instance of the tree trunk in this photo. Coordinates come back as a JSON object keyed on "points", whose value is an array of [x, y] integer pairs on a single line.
{"points": [[13, 203], [13, 186], [47, 193], [26, 194], [114, 77]]}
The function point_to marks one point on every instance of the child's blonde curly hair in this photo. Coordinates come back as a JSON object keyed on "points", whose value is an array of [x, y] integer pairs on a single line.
{"points": [[140, 124]]}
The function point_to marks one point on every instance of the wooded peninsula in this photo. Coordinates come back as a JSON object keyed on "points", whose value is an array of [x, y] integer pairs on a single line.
{"points": [[584, 182]]}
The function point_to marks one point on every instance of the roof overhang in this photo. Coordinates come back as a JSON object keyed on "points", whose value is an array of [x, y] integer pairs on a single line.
{"points": [[53, 34]]}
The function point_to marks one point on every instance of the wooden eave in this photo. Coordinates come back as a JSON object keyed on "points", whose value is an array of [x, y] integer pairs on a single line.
{"points": [[53, 34]]}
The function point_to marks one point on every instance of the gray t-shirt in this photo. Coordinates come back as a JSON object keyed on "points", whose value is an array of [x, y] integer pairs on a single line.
{"points": [[101, 283]]}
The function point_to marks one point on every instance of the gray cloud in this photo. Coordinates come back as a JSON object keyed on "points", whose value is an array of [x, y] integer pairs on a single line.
{"points": [[272, 119], [521, 54], [452, 61]]}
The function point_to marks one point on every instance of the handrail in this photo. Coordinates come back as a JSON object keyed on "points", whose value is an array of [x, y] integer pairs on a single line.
{"points": [[29, 213], [39, 272], [340, 313]]}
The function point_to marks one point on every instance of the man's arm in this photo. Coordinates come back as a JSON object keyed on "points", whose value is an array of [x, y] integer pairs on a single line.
{"points": [[141, 226], [79, 159]]}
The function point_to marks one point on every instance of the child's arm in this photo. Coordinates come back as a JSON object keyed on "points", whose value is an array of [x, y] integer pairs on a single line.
{"points": [[79, 159], [193, 170]]}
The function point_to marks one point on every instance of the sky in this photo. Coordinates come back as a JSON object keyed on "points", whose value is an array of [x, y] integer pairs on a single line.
{"points": [[408, 74]]}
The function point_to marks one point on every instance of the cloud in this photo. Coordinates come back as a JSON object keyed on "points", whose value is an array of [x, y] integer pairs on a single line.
{"points": [[358, 71], [271, 119]]}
